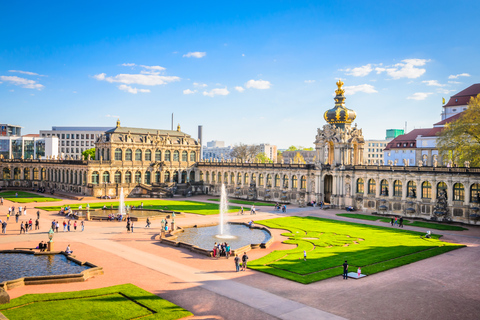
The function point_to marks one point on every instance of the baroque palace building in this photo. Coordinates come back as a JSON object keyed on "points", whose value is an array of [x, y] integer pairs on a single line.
{"points": [[152, 163]]}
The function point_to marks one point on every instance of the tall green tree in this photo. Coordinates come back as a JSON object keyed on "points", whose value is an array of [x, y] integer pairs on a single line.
{"points": [[460, 140], [262, 158], [90, 152]]}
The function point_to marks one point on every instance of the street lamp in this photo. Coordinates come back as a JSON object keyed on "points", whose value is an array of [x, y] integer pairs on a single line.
{"points": [[50, 243]]}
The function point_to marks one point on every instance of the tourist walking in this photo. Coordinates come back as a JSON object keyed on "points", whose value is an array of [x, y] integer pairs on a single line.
{"points": [[4, 227], [64, 226], [395, 222], [253, 210], [1, 201], [401, 222], [304, 255], [16, 217], [68, 225], [38, 214], [237, 262], [8, 216], [30, 224], [391, 222], [75, 226], [148, 223], [57, 225], [128, 226], [83, 225], [345, 270], [241, 210], [244, 261], [37, 225], [22, 228], [131, 226], [227, 250]]}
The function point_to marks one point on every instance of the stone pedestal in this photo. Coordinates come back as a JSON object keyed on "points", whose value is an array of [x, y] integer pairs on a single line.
{"points": [[4, 297], [50, 246], [87, 216], [162, 233]]}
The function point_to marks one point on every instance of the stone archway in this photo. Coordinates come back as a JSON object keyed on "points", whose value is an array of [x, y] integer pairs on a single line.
{"points": [[327, 188]]}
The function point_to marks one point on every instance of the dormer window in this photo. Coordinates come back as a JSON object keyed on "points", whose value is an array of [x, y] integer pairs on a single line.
{"points": [[456, 100], [404, 144], [454, 110], [411, 144]]}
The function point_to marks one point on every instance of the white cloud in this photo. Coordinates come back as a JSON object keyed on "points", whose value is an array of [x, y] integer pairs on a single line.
{"points": [[408, 68], [126, 88], [243, 54], [128, 64], [141, 79], [359, 71], [111, 116], [258, 84], [419, 95], [216, 92], [458, 75], [454, 82], [27, 72], [433, 83], [188, 91], [444, 91], [22, 82], [152, 69], [199, 85], [367, 88], [309, 81], [195, 54], [239, 89]]}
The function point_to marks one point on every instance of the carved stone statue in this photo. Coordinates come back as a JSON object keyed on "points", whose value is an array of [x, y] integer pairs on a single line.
{"points": [[420, 163], [467, 164]]}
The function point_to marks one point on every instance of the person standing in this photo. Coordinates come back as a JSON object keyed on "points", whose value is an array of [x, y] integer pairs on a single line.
{"points": [[128, 226], [8, 216], [1, 201], [4, 227], [391, 222], [22, 228], [304, 255], [253, 209], [57, 225], [37, 225], [237, 262], [68, 225], [75, 226], [401, 222], [131, 226], [16, 217], [83, 225], [64, 226], [241, 210], [148, 223], [345, 270], [244, 261], [38, 214]]}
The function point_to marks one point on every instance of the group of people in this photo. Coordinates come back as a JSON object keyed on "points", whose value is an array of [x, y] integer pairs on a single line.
{"points": [[27, 226], [397, 222], [11, 211], [279, 207], [112, 217], [129, 224], [42, 246], [221, 250], [243, 266]]}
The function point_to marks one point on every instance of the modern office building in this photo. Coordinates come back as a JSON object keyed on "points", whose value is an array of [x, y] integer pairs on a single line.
{"points": [[72, 141], [217, 150], [269, 150], [28, 147], [7, 130]]}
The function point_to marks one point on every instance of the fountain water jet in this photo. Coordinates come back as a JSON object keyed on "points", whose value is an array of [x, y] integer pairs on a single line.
{"points": [[121, 205], [223, 212]]}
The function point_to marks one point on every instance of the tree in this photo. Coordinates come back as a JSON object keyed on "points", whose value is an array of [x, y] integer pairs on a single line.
{"points": [[90, 152], [459, 141], [279, 156], [245, 152], [262, 158], [292, 148]]}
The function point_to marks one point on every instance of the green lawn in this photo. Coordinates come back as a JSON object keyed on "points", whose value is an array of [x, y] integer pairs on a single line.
{"points": [[179, 206], [421, 224], [25, 197], [118, 302], [248, 203], [330, 242]]}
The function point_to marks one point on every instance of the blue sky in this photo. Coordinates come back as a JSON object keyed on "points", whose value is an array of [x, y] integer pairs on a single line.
{"points": [[248, 71]]}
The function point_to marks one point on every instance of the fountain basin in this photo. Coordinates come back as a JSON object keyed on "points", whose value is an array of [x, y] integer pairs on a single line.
{"points": [[135, 213], [202, 239], [19, 268]]}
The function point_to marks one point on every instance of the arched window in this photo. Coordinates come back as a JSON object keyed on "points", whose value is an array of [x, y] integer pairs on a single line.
{"points": [[384, 187], [35, 174], [157, 177], [176, 155], [225, 178], [285, 181], [441, 186], [294, 182], [360, 185], [138, 177], [219, 177], [214, 177], [303, 182], [147, 177], [43, 174], [184, 176], [158, 155], [269, 180], [85, 178], [118, 154], [175, 176], [167, 155], [261, 179], [458, 192], [207, 177], [254, 178], [426, 190], [6, 174], [128, 155], [128, 177], [118, 177], [95, 177], [397, 188], [193, 156], [167, 176], [232, 178], [148, 155], [138, 155], [26, 174], [201, 175], [372, 188], [411, 189], [277, 181], [184, 156], [192, 176], [475, 193], [16, 174], [103, 153], [239, 178], [106, 177], [245, 179]]}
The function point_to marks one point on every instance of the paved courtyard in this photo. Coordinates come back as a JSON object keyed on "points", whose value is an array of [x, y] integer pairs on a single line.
{"points": [[443, 287]]}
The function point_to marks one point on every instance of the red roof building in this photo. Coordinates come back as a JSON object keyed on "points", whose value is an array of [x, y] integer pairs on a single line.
{"points": [[458, 102]]}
